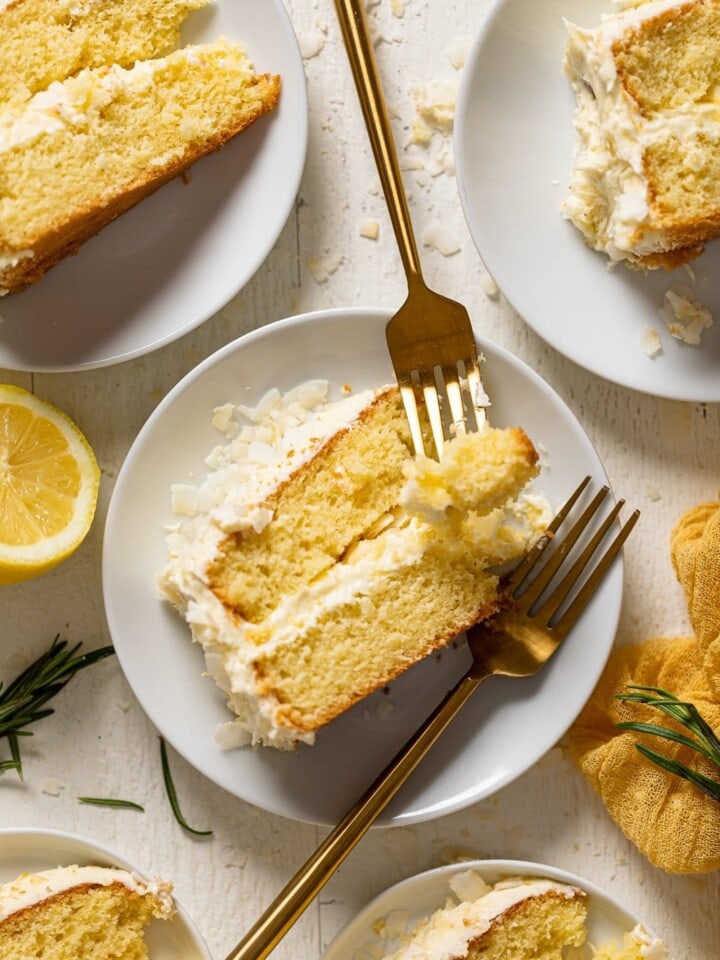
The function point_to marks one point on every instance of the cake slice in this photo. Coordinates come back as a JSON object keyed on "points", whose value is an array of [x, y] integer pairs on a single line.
{"points": [[645, 187], [43, 41], [79, 913], [516, 920], [81, 152], [319, 560]]}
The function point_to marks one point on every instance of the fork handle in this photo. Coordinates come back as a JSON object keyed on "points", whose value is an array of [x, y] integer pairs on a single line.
{"points": [[312, 877], [354, 26]]}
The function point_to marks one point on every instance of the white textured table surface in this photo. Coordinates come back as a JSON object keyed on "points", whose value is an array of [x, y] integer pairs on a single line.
{"points": [[661, 455]]}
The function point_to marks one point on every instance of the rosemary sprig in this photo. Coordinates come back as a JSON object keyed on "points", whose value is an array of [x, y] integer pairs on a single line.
{"points": [[112, 802], [172, 795], [23, 701], [703, 739]]}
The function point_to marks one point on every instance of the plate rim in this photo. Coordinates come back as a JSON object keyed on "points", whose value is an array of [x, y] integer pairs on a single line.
{"points": [[273, 805], [510, 866], [460, 133], [111, 856], [255, 263]]}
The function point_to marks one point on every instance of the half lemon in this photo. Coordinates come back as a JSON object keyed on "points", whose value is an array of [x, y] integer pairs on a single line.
{"points": [[49, 481]]}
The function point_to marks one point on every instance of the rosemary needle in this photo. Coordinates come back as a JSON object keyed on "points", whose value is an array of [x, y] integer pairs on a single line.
{"points": [[23, 701], [172, 795], [702, 740], [111, 802]]}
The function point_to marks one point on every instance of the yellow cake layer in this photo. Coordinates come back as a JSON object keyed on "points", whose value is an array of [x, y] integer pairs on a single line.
{"points": [[395, 620], [682, 197], [82, 152], [673, 58], [318, 512], [84, 923], [46, 40], [538, 929]]}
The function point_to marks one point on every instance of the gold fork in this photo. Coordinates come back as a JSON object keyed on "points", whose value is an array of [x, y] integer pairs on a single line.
{"points": [[430, 338], [515, 643]]}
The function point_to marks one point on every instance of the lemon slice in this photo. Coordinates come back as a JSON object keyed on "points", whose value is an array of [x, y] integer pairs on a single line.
{"points": [[49, 482]]}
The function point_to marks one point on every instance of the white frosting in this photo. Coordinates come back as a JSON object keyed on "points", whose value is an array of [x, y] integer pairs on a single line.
{"points": [[32, 888], [263, 447], [446, 935], [608, 198]]}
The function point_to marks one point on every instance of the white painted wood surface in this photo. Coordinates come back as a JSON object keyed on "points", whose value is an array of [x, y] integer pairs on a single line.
{"points": [[662, 456]]}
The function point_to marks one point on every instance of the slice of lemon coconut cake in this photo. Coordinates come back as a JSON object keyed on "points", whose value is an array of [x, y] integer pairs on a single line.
{"points": [[320, 559], [80, 913], [101, 119]]}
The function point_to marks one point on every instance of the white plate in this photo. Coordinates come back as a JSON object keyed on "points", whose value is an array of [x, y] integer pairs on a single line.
{"points": [[488, 746], [419, 896], [33, 850], [514, 142], [174, 260]]}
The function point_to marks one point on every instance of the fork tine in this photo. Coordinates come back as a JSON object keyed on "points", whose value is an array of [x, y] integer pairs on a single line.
{"points": [[568, 620], [536, 551], [457, 409], [407, 394], [532, 592], [475, 389], [561, 591], [432, 405]]}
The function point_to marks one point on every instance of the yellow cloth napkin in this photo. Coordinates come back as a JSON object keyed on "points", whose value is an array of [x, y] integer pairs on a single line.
{"points": [[673, 823], [695, 550]]}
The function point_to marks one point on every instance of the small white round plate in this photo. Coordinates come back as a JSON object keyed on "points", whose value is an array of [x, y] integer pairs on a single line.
{"points": [[29, 851], [488, 746], [176, 258], [416, 898], [514, 145]]}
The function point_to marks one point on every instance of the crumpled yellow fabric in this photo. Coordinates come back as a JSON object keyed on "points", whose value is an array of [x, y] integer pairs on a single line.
{"points": [[673, 823], [695, 551]]}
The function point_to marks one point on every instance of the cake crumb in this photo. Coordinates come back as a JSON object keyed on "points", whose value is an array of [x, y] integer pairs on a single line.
{"points": [[420, 133], [397, 7], [311, 42], [490, 288], [370, 229], [441, 239], [457, 50], [650, 342], [684, 316], [652, 492], [52, 787], [222, 417], [435, 102], [184, 499], [384, 709], [322, 268], [396, 924]]}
